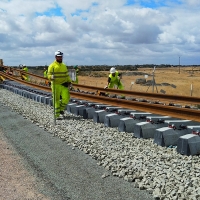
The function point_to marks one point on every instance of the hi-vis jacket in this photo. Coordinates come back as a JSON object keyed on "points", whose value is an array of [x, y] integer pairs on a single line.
{"points": [[45, 73], [60, 72], [114, 79], [25, 69]]}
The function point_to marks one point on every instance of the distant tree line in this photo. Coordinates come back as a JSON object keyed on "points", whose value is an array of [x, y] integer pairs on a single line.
{"points": [[118, 67]]}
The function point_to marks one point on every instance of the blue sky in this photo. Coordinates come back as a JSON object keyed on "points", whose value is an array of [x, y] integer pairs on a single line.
{"points": [[57, 11], [100, 32], [153, 4]]}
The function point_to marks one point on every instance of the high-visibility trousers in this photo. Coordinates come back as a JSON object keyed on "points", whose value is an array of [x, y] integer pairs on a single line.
{"points": [[60, 103], [117, 84], [25, 77]]}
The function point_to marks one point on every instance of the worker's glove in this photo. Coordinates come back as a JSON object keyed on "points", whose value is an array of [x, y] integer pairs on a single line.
{"points": [[106, 87], [52, 77]]}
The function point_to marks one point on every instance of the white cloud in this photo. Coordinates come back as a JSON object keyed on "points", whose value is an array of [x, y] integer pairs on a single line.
{"points": [[104, 32], [193, 3]]}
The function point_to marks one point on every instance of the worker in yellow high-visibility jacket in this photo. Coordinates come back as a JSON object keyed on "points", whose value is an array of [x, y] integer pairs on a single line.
{"points": [[25, 76], [114, 79], [45, 73], [47, 82], [60, 83]]}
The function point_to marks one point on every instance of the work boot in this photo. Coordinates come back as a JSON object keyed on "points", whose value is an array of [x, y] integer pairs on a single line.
{"points": [[62, 112], [59, 118]]}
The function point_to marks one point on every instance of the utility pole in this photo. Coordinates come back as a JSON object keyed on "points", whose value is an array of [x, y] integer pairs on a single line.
{"points": [[153, 79], [179, 66]]}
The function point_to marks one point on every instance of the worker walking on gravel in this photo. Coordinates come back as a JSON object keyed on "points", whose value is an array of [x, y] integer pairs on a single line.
{"points": [[60, 83], [114, 79]]}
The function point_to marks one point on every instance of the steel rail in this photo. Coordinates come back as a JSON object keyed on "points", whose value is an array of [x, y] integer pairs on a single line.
{"points": [[182, 113], [41, 87], [151, 96], [22, 71], [165, 97]]}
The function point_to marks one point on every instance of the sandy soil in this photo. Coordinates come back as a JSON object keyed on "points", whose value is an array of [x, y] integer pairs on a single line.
{"points": [[185, 80], [15, 182]]}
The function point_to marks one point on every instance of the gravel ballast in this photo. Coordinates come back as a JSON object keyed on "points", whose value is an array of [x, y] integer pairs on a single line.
{"points": [[129, 168], [62, 170]]}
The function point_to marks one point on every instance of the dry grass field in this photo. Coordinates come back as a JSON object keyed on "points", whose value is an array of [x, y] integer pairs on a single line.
{"points": [[187, 82]]}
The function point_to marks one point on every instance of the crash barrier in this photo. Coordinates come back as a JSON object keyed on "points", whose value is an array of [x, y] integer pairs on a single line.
{"points": [[165, 131]]}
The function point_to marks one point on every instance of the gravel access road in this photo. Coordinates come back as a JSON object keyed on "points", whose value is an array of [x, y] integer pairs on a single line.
{"points": [[59, 170]]}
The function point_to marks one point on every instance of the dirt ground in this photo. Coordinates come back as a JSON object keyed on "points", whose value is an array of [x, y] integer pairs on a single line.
{"points": [[15, 182], [187, 82]]}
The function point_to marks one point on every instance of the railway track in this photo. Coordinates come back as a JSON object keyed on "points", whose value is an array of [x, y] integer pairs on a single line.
{"points": [[161, 121], [146, 125], [148, 102], [166, 115]]}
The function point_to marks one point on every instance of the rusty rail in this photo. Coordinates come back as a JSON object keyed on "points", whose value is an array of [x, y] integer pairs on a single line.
{"points": [[165, 97], [154, 96], [182, 113], [41, 87], [22, 71]]}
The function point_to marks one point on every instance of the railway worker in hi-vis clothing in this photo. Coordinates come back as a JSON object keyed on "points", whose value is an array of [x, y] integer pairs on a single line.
{"points": [[25, 76], [114, 79], [60, 83]]}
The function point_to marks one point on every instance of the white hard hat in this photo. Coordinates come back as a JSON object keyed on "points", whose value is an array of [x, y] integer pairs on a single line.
{"points": [[24, 65], [58, 53], [112, 70]]}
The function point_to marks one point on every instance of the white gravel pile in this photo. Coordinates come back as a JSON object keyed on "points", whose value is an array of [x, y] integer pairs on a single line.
{"points": [[162, 171]]}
